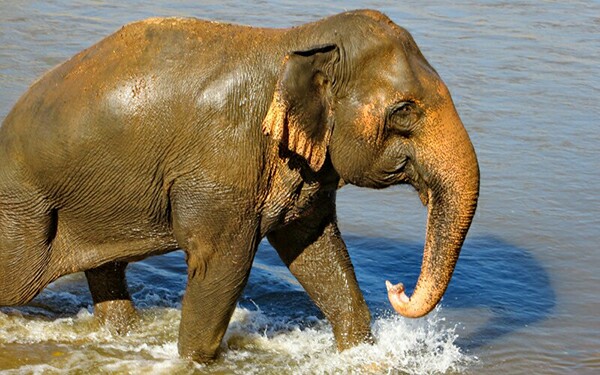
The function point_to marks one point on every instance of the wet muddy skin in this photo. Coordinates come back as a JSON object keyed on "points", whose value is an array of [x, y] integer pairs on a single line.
{"points": [[524, 78]]}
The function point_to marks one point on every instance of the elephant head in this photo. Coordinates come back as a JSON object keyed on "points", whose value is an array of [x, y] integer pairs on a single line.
{"points": [[369, 100]]}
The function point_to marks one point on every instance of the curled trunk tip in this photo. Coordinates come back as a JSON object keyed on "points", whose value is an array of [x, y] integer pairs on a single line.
{"points": [[403, 304]]}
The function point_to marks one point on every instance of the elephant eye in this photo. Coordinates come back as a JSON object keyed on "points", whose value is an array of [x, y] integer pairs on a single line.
{"points": [[402, 108], [402, 117]]}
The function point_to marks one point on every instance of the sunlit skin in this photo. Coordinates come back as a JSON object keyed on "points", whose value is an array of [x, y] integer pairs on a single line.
{"points": [[185, 134]]}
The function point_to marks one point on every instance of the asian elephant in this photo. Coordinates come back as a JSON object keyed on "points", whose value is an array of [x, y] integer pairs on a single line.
{"points": [[178, 133]]}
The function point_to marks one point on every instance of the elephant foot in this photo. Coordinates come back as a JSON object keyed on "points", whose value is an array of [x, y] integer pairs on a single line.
{"points": [[112, 303], [117, 315]]}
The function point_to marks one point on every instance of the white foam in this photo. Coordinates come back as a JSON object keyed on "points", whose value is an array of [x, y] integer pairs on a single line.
{"points": [[254, 344], [415, 346], [33, 370]]}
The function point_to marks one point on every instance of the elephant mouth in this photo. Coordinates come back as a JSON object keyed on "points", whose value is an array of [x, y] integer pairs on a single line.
{"points": [[395, 174], [415, 178], [406, 172], [398, 167]]}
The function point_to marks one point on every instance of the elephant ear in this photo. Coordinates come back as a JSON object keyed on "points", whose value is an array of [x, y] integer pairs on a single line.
{"points": [[300, 115]]}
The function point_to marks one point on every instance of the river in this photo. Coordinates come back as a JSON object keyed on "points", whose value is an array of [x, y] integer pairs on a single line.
{"points": [[525, 77]]}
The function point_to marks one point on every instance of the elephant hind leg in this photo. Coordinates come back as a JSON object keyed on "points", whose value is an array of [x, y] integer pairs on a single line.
{"points": [[112, 302], [27, 229]]}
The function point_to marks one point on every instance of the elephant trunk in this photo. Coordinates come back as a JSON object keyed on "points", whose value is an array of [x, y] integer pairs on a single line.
{"points": [[449, 185]]}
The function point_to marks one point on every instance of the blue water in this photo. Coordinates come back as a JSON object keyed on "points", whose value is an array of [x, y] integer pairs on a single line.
{"points": [[525, 77]]}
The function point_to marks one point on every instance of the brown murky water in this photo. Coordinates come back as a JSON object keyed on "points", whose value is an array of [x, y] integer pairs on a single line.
{"points": [[525, 77]]}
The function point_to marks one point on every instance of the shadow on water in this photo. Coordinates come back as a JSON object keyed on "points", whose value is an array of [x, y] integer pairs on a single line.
{"points": [[505, 279], [500, 280]]}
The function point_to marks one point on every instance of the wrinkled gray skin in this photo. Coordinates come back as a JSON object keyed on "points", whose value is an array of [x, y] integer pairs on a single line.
{"points": [[182, 133]]}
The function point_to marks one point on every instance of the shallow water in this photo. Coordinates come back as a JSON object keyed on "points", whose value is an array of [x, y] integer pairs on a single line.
{"points": [[525, 78]]}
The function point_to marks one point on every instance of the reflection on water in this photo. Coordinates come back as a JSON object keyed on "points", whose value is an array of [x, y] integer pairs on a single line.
{"points": [[525, 79]]}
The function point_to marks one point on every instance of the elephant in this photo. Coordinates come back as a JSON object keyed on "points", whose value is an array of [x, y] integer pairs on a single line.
{"points": [[181, 133]]}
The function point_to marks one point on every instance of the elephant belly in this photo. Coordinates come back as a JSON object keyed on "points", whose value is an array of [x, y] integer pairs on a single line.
{"points": [[108, 217], [81, 245]]}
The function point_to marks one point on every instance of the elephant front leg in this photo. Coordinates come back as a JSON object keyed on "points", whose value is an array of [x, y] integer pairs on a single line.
{"points": [[112, 302], [317, 256], [217, 275]]}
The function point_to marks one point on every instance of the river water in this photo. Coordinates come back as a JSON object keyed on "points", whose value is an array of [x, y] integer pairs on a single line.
{"points": [[525, 76]]}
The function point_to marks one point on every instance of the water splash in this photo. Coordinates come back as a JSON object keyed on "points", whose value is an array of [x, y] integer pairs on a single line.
{"points": [[412, 346], [254, 344]]}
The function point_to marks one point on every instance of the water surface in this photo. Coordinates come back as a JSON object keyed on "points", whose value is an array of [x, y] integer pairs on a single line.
{"points": [[525, 78]]}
